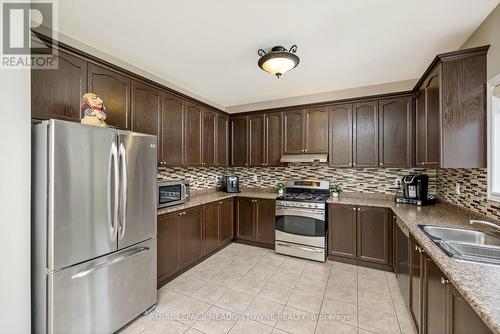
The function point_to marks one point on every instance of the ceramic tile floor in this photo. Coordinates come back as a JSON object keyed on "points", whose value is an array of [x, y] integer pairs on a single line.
{"points": [[245, 289]]}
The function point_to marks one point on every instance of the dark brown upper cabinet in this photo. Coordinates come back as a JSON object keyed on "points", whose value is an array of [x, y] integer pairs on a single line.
{"points": [[56, 93], [451, 111], [373, 235], [365, 134], [222, 140], [208, 138], [172, 130], [146, 104], [396, 132], [427, 124], [256, 154], [293, 125], [273, 138], [306, 131], [340, 149], [316, 130], [114, 90], [239, 137], [342, 230], [192, 135]]}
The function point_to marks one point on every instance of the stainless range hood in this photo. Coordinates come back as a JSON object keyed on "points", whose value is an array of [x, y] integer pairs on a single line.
{"points": [[304, 158]]}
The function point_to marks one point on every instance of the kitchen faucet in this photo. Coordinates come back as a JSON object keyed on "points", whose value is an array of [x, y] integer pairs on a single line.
{"points": [[482, 222]]}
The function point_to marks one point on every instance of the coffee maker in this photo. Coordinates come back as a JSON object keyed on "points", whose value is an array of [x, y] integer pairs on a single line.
{"points": [[415, 190], [231, 184]]}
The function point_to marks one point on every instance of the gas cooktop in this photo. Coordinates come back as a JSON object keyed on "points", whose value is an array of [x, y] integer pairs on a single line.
{"points": [[303, 197]]}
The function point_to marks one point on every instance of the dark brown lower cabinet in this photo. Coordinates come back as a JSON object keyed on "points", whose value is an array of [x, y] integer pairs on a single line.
{"points": [[342, 230], [360, 233], [210, 227], [460, 317], [191, 234], [434, 308], [373, 234], [168, 239], [255, 220], [226, 221], [415, 282]]}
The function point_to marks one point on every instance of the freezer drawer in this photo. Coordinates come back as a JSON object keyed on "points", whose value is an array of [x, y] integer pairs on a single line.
{"points": [[102, 295]]}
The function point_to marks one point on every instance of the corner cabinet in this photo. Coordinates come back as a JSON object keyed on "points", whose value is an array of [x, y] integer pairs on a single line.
{"points": [[217, 225], [451, 111], [360, 234], [255, 220]]}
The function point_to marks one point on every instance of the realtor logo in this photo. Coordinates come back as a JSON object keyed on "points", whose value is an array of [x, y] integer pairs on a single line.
{"points": [[21, 48]]}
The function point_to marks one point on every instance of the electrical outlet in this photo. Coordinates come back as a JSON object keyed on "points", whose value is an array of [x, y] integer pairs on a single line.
{"points": [[397, 183], [216, 179], [254, 178], [458, 189]]}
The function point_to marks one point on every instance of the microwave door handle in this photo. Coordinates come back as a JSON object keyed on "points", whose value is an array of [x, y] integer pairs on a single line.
{"points": [[183, 191], [112, 194], [123, 158]]}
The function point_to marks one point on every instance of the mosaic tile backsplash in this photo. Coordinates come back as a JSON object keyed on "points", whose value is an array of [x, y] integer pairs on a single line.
{"points": [[367, 180], [474, 187]]}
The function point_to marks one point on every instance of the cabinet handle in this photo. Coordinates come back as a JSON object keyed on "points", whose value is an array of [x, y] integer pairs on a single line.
{"points": [[354, 209], [416, 248], [444, 281], [354, 164], [305, 150], [350, 163], [359, 209], [220, 203], [381, 164]]}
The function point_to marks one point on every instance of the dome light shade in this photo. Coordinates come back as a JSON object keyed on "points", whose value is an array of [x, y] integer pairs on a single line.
{"points": [[279, 60]]}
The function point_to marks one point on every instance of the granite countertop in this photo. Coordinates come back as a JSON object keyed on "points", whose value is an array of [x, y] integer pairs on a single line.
{"points": [[214, 196], [478, 283]]}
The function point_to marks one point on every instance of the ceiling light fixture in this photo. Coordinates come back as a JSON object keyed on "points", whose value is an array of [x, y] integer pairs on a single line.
{"points": [[279, 60]]}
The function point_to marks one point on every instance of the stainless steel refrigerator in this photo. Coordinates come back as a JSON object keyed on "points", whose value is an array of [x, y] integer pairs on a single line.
{"points": [[93, 227]]}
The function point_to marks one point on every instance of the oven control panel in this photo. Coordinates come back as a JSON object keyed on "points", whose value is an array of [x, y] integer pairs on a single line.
{"points": [[306, 205]]}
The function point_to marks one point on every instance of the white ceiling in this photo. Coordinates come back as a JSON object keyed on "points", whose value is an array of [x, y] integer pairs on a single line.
{"points": [[210, 47]]}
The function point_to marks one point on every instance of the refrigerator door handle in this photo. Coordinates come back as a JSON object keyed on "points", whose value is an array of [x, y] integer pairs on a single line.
{"points": [[112, 199], [123, 163], [120, 257]]}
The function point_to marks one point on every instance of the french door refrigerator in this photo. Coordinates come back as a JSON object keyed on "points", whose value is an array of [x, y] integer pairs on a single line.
{"points": [[93, 227]]}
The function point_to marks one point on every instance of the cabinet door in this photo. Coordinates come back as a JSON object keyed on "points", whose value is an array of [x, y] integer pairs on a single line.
{"points": [[395, 132], [191, 235], [265, 218], [373, 234], [208, 138], [432, 112], [434, 299], [222, 140], [114, 90], [316, 130], [239, 139], [146, 102], [226, 221], [342, 230], [172, 127], [256, 140], [210, 227], [365, 134], [415, 283], [420, 128], [273, 138], [461, 318], [340, 148], [245, 218], [192, 135], [56, 93], [168, 245], [294, 131]]}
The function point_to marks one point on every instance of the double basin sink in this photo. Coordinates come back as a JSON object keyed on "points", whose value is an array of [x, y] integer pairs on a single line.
{"points": [[465, 244]]}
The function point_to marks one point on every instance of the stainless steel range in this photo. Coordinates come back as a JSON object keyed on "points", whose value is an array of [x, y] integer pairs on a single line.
{"points": [[301, 228]]}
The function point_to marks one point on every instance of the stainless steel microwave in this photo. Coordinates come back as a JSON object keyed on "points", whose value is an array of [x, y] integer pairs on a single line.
{"points": [[172, 192]]}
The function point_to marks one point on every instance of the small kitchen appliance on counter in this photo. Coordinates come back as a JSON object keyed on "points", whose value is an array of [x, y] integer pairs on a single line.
{"points": [[231, 184], [172, 192], [415, 190], [301, 225]]}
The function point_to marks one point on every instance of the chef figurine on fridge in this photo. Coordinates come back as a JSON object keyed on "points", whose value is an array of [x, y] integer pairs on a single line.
{"points": [[93, 109]]}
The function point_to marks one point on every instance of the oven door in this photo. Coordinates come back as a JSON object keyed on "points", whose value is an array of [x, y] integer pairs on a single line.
{"points": [[171, 194], [301, 226]]}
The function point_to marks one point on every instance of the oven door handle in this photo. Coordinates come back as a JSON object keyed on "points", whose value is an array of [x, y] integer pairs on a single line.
{"points": [[313, 214], [304, 248]]}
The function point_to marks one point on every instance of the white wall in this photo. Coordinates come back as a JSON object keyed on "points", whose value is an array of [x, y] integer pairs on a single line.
{"points": [[15, 201], [488, 33]]}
